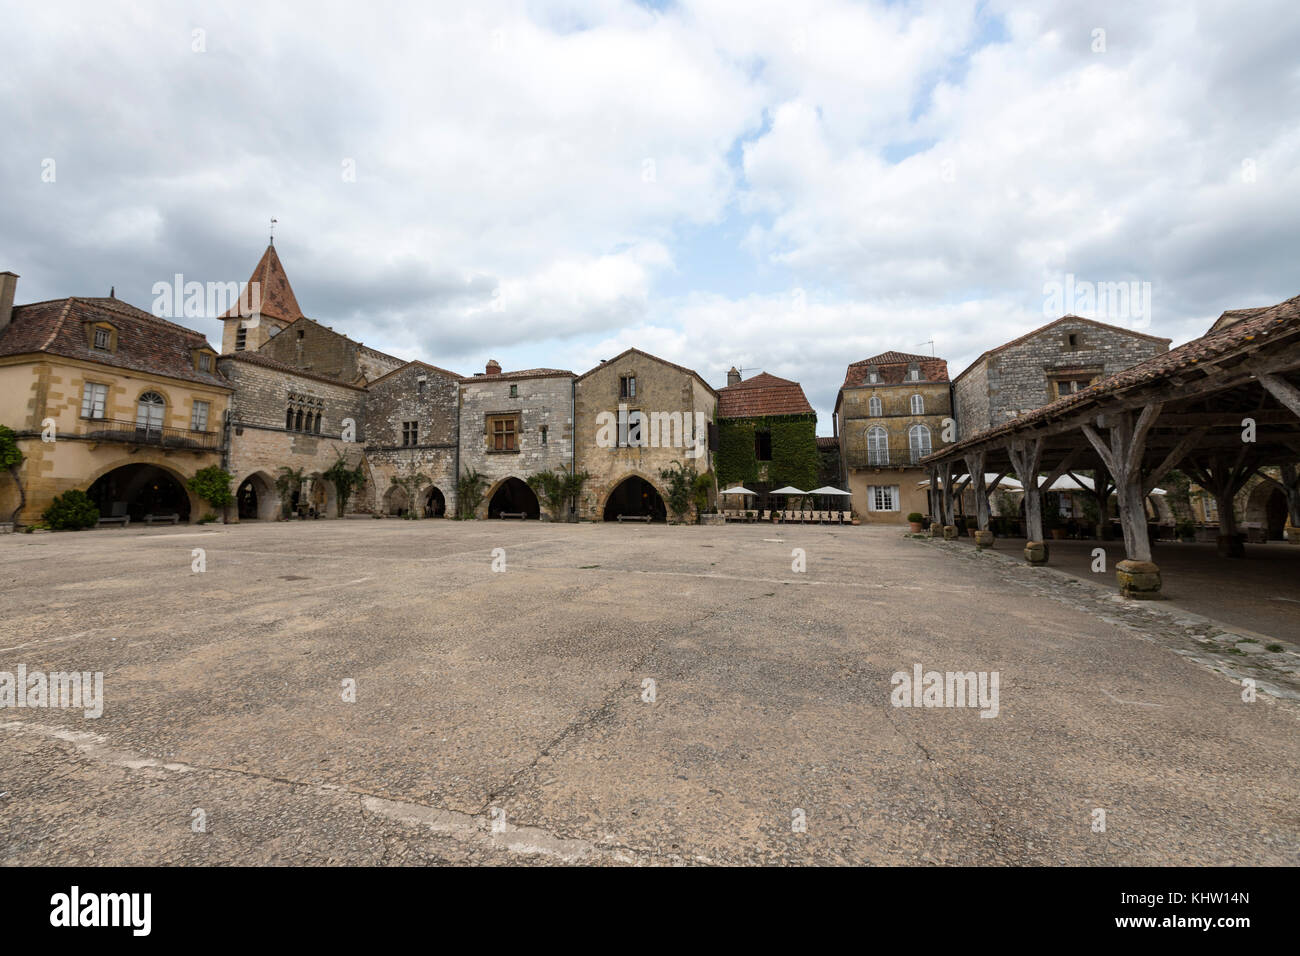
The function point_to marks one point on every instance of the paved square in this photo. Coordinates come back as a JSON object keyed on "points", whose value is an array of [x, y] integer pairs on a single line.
{"points": [[499, 716]]}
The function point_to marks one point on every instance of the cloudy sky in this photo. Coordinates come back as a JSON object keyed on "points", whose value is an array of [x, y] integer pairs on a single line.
{"points": [[778, 186]]}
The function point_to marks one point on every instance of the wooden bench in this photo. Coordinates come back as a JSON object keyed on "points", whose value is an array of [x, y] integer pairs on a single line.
{"points": [[123, 520], [645, 518], [514, 514], [162, 519]]}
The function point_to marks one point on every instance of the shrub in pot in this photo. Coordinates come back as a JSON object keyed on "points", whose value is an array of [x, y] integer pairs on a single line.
{"points": [[914, 522]]}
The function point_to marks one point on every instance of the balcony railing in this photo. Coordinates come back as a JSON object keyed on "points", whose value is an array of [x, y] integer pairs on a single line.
{"points": [[108, 429]]}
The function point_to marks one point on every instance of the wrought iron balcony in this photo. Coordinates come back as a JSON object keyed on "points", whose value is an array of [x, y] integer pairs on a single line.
{"points": [[135, 433]]}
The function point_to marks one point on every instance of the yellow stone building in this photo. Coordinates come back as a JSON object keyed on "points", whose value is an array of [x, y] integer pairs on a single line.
{"points": [[107, 399]]}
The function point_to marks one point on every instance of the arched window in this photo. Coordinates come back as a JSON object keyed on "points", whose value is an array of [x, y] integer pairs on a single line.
{"points": [[877, 446], [873, 406], [297, 421], [315, 427], [918, 440], [288, 419], [149, 411], [918, 405]]}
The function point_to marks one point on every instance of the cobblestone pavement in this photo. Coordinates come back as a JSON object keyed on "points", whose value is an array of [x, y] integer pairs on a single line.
{"points": [[619, 695]]}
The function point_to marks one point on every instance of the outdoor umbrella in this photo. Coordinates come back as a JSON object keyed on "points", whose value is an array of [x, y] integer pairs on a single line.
{"points": [[787, 491], [828, 491]]}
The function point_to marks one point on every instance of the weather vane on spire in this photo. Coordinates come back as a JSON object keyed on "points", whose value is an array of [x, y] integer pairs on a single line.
{"points": [[273, 222]]}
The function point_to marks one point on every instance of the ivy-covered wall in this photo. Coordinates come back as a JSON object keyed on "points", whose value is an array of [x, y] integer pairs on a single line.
{"points": [[795, 460]]}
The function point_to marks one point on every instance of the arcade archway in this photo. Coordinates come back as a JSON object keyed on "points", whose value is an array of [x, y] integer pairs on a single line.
{"points": [[256, 498], [139, 490], [635, 497], [514, 497], [435, 505]]}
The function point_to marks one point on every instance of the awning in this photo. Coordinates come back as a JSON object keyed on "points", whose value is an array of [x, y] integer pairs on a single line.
{"points": [[738, 490], [828, 490], [788, 490]]}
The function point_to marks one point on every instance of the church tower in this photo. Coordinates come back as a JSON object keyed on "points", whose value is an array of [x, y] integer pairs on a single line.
{"points": [[266, 305]]}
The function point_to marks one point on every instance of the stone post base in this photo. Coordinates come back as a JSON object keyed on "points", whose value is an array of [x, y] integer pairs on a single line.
{"points": [[1230, 546], [936, 531], [983, 539], [1036, 552], [1139, 580], [949, 532]]}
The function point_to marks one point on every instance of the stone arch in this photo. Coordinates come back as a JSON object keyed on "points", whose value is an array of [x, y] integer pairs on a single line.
{"points": [[433, 503], [322, 495], [395, 501], [511, 494], [658, 509], [126, 492], [256, 498], [1266, 508]]}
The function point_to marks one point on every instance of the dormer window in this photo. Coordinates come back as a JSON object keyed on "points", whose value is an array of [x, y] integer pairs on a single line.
{"points": [[914, 373], [101, 336], [202, 359], [873, 375]]}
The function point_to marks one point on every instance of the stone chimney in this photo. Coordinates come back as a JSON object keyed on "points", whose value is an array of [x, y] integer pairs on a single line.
{"points": [[493, 367], [8, 286], [733, 377]]}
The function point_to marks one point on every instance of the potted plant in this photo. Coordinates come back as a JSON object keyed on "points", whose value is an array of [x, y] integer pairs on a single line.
{"points": [[1186, 531], [914, 522], [1052, 515]]}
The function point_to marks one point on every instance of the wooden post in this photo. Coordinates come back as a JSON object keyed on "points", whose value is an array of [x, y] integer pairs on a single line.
{"points": [[1223, 480], [949, 518], [1026, 456], [1138, 576]]}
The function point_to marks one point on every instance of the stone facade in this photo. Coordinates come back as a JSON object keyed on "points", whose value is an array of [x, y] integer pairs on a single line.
{"points": [[881, 404], [538, 407], [265, 435], [312, 347], [412, 429], [1039, 367], [661, 388]]}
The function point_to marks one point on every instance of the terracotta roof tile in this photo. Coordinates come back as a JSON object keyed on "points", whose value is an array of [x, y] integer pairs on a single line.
{"points": [[145, 343], [762, 395], [894, 372], [276, 295]]}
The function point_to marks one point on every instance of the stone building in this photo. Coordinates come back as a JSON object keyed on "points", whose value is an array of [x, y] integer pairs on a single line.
{"points": [[513, 425], [108, 399], [282, 417], [411, 435], [767, 436], [1060, 358], [890, 413], [634, 415]]}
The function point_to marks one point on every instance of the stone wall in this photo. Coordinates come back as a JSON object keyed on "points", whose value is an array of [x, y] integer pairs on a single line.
{"points": [[428, 396], [1017, 378], [661, 387], [260, 444], [540, 402]]}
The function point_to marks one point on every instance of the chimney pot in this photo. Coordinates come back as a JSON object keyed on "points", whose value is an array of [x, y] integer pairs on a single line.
{"points": [[733, 376], [493, 367]]}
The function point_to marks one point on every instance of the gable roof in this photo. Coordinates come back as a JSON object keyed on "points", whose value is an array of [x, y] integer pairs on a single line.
{"points": [[145, 343], [762, 395], [416, 362], [303, 320], [1232, 316], [894, 358], [520, 374], [274, 294], [895, 372], [681, 368], [1056, 322]]}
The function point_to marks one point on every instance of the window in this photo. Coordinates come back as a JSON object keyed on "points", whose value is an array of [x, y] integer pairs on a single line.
{"points": [[199, 417], [763, 446], [410, 433], [877, 446], [627, 386], [882, 497], [205, 362], [102, 339], [874, 408], [419, 386], [514, 391], [503, 431], [918, 405], [1069, 384], [918, 441], [149, 411], [1074, 341], [914, 374], [93, 399], [241, 338], [543, 434]]}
